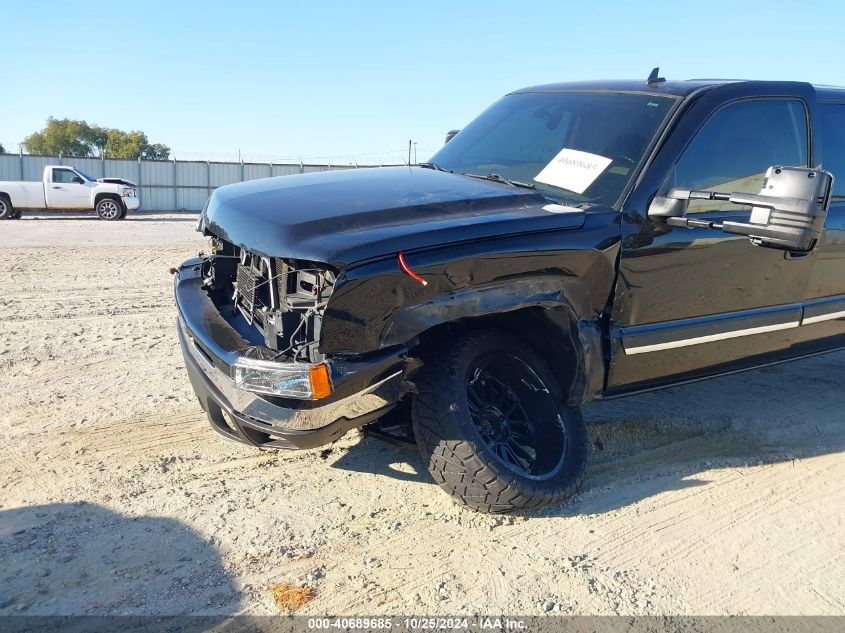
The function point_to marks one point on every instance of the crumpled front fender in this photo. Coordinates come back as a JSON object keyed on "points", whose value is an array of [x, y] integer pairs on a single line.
{"points": [[376, 305]]}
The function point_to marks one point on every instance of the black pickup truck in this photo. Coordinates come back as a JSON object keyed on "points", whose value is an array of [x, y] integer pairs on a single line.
{"points": [[575, 242]]}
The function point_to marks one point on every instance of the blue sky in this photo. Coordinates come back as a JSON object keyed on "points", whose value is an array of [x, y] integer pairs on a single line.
{"points": [[336, 79]]}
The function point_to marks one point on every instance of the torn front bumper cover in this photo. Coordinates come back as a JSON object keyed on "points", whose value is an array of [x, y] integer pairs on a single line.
{"points": [[364, 390]]}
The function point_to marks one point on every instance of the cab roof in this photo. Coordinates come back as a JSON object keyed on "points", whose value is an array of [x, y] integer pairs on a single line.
{"points": [[671, 88]]}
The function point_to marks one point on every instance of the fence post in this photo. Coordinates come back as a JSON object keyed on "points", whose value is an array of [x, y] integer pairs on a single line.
{"points": [[175, 190], [208, 178], [301, 166], [102, 165], [21, 152], [138, 190], [242, 170]]}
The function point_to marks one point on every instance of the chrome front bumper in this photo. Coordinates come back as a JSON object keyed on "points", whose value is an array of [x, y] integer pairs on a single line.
{"points": [[365, 388], [378, 396], [247, 417]]}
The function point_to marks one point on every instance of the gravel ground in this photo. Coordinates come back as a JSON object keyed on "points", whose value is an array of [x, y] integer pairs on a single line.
{"points": [[724, 497]]}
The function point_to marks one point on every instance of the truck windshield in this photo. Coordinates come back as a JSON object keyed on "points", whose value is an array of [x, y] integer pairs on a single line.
{"points": [[85, 176], [575, 146]]}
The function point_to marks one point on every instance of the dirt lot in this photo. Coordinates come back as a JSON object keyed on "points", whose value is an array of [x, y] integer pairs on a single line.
{"points": [[726, 497]]}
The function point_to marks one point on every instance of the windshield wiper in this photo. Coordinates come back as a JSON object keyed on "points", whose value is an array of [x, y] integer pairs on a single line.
{"points": [[502, 179], [430, 165]]}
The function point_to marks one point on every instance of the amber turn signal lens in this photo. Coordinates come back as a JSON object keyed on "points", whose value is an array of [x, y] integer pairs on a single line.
{"points": [[321, 384]]}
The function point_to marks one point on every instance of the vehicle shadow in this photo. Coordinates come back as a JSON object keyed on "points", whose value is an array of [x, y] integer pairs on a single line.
{"points": [[652, 443], [378, 457], [84, 559], [131, 217], [193, 219]]}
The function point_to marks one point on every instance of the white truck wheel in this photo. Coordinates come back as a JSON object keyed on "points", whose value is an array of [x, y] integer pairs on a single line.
{"points": [[109, 209], [7, 212]]}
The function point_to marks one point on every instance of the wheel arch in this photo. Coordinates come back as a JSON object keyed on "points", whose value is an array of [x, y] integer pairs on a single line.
{"points": [[552, 332], [108, 194]]}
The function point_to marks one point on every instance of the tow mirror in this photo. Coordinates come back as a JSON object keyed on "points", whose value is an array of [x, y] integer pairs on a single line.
{"points": [[451, 134], [788, 213], [672, 205]]}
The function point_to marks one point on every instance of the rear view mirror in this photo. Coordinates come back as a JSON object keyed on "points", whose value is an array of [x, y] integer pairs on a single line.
{"points": [[451, 134], [788, 213]]}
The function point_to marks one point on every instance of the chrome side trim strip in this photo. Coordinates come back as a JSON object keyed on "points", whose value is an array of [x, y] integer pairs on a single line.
{"points": [[823, 309], [823, 317], [654, 337], [709, 338]]}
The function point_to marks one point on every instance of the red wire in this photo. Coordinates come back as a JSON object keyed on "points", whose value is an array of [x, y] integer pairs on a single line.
{"points": [[404, 266]]}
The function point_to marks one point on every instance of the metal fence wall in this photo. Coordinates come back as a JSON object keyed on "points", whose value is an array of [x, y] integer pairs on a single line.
{"points": [[162, 185]]}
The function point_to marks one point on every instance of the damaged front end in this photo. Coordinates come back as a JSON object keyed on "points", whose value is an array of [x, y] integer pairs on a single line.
{"points": [[283, 300], [277, 304], [250, 329]]}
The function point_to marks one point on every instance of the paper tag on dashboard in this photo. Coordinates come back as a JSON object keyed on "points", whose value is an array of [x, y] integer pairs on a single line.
{"points": [[560, 208], [573, 170]]}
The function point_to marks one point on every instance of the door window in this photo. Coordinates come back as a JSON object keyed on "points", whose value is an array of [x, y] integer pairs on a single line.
{"points": [[833, 135], [64, 176], [733, 150]]}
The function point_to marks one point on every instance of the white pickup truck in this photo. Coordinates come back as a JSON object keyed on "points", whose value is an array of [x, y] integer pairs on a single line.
{"points": [[65, 187]]}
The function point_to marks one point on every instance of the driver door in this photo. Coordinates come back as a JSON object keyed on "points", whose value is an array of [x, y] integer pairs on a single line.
{"points": [[696, 302], [65, 192]]}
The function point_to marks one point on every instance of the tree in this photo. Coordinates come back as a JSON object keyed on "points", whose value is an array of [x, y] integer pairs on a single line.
{"points": [[156, 151], [61, 136], [2, 150], [120, 144], [69, 137]]}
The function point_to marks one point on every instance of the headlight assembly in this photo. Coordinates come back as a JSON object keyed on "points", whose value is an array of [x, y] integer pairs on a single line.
{"points": [[289, 380]]}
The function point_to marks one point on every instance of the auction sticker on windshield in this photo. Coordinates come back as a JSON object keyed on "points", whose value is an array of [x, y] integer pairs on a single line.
{"points": [[573, 170]]}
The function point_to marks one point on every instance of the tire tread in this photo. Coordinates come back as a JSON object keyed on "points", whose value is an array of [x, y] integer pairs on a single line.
{"points": [[459, 465]]}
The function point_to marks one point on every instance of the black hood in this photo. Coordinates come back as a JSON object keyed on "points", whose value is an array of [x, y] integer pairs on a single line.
{"points": [[343, 217]]}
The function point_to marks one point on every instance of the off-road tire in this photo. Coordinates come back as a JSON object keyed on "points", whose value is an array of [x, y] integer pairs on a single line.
{"points": [[109, 209], [459, 458], [7, 211]]}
